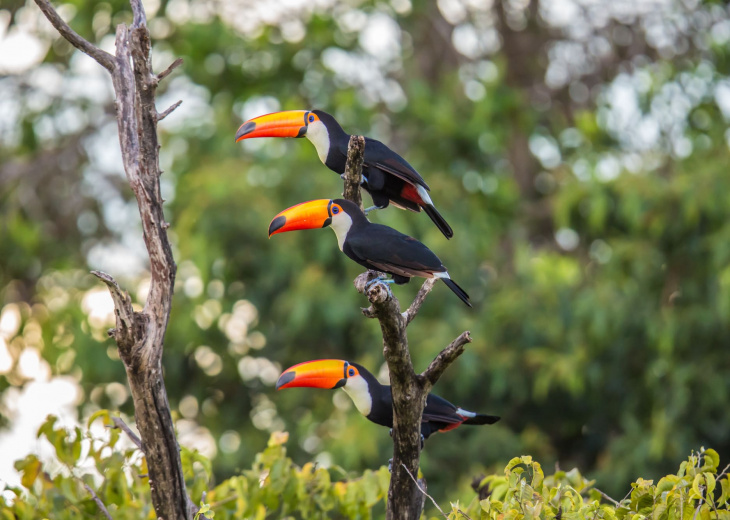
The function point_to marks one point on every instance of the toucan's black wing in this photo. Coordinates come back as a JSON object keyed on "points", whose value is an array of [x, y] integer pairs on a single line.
{"points": [[380, 156], [439, 410], [393, 252]]}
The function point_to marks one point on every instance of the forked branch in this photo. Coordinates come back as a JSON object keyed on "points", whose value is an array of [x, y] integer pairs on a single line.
{"points": [[405, 495]]}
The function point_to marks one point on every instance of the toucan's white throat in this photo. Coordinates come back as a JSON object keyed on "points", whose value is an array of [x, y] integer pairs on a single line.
{"points": [[358, 390], [319, 136], [341, 224]]}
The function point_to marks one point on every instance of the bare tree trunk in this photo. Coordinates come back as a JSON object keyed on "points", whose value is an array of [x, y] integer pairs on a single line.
{"points": [[405, 499], [140, 335]]}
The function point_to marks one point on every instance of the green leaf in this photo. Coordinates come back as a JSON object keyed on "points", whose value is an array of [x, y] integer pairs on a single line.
{"points": [[29, 468], [712, 460], [46, 429]]}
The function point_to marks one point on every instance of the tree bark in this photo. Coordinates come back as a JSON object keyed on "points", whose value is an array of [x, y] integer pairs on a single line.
{"points": [[353, 169], [405, 499], [140, 335]]}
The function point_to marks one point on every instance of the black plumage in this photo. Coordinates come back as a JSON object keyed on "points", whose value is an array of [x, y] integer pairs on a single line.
{"points": [[387, 176], [439, 415], [382, 248]]}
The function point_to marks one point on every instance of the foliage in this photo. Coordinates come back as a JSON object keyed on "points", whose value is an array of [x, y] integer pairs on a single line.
{"points": [[697, 490], [275, 487]]}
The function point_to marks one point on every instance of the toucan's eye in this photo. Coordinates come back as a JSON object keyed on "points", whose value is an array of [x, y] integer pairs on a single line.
{"points": [[335, 210], [311, 118], [351, 372]]}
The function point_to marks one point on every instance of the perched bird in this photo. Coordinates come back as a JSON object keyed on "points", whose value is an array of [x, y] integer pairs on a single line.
{"points": [[374, 246], [373, 399], [386, 175]]}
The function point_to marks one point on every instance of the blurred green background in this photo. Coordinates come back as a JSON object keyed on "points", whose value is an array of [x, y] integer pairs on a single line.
{"points": [[579, 150]]}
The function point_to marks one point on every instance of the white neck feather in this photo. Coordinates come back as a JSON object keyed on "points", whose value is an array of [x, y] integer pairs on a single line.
{"points": [[357, 388], [341, 225], [320, 138]]}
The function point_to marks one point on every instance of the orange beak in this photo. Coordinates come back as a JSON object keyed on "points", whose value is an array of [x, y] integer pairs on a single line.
{"points": [[322, 373], [290, 123], [314, 214]]}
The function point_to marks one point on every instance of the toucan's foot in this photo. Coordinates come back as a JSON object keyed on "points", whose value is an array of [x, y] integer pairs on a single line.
{"points": [[390, 465], [390, 432], [371, 208], [423, 441], [385, 281]]}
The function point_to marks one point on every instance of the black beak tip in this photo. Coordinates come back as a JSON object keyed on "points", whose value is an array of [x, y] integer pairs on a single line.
{"points": [[285, 378], [245, 129], [276, 224]]}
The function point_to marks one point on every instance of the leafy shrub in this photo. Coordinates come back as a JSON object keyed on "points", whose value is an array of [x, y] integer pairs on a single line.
{"points": [[87, 466], [696, 492], [273, 488]]}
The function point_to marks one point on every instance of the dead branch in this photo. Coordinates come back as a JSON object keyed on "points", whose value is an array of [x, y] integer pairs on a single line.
{"points": [[163, 115], [447, 356], [119, 423], [412, 311], [175, 64], [103, 58], [353, 169], [98, 501], [405, 496], [140, 335], [122, 309]]}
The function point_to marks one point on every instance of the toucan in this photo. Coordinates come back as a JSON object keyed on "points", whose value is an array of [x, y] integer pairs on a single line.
{"points": [[373, 399], [373, 246], [386, 175]]}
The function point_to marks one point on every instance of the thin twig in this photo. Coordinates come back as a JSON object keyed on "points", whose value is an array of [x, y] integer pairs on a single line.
{"points": [[445, 358], [119, 423], [97, 500], [163, 115], [213, 505], [424, 492], [627, 495], [724, 471], [175, 64], [604, 495], [697, 511], [412, 311], [103, 58], [430, 497]]}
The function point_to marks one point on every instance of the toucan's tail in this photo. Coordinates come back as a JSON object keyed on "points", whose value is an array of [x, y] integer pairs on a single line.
{"points": [[461, 293], [438, 220], [482, 419]]}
